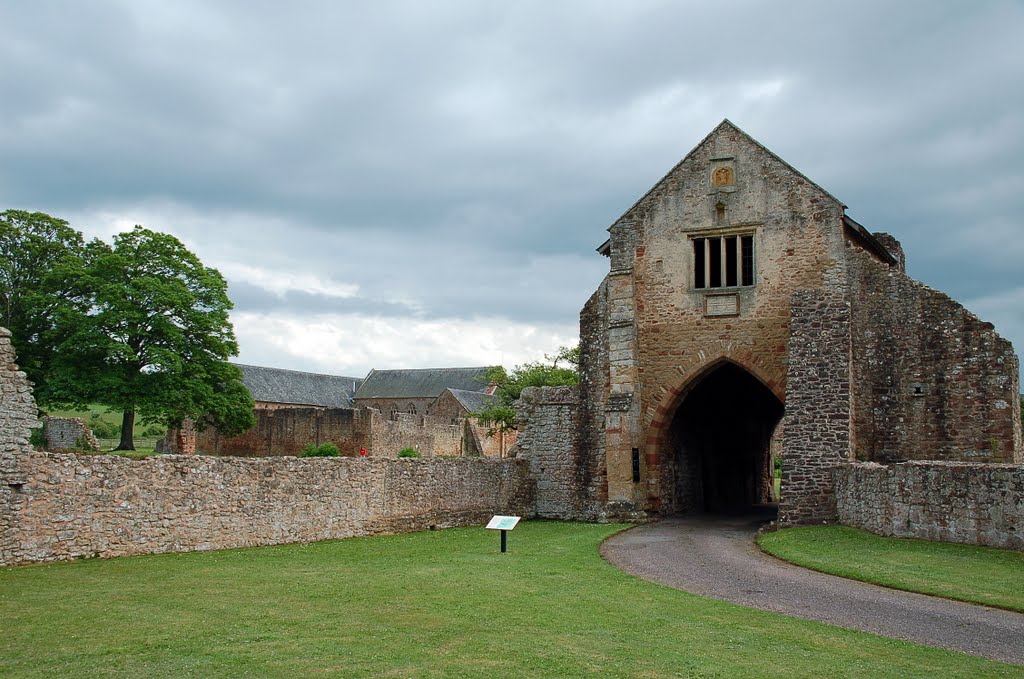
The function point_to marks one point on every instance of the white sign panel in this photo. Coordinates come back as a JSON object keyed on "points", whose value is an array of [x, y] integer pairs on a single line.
{"points": [[503, 522], [721, 305]]}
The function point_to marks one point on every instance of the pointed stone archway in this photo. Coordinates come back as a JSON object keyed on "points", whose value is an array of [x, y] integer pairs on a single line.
{"points": [[714, 449]]}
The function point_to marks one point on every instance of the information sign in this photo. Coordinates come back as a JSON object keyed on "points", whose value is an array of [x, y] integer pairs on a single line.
{"points": [[503, 522]]}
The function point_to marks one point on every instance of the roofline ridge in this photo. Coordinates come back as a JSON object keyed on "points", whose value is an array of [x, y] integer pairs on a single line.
{"points": [[290, 370], [455, 367]]}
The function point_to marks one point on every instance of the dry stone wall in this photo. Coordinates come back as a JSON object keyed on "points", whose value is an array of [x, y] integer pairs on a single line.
{"points": [[97, 505], [972, 503]]}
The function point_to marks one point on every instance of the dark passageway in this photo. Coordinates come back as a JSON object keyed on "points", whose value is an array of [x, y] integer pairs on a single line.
{"points": [[721, 437]]}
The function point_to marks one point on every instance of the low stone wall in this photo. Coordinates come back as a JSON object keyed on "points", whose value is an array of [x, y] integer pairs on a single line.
{"points": [[972, 503], [99, 505], [68, 433]]}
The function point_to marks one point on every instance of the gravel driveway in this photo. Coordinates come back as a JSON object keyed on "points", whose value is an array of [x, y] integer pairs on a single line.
{"points": [[717, 557]]}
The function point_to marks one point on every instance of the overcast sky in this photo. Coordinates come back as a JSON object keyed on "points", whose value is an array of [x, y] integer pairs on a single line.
{"points": [[414, 184]]}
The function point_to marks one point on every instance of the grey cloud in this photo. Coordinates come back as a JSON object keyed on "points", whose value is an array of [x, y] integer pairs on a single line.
{"points": [[429, 152]]}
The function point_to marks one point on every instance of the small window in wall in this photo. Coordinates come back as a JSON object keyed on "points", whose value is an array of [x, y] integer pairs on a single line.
{"points": [[723, 261]]}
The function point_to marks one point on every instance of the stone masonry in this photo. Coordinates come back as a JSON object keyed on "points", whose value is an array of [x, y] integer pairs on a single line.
{"points": [[742, 302], [103, 505], [68, 433], [17, 417], [58, 506], [973, 503], [816, 436]]}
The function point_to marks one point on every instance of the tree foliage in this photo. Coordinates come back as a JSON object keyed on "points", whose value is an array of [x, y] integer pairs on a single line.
{"points": [[559, 370], [154, 338], [41, 258]]}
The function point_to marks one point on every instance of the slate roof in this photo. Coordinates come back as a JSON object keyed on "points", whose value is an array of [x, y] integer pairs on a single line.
{"points": [[472, 401], [421, 383], [275, 385]]}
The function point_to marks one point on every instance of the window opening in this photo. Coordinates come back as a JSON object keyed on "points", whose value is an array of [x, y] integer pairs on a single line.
{"points": [[714, 262], [698, 263], [747, 247], [723, 262], [730, 262]]}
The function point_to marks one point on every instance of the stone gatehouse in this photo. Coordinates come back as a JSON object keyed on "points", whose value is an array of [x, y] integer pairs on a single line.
{"points": [[743, 306]]}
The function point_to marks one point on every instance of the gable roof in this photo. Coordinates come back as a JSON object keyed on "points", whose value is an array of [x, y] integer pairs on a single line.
{"points": [[472, 401], [725, 124], [869, 240], [421, 383], [276, 385]]}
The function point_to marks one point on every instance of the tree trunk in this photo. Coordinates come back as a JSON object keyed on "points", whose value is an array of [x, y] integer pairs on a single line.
{"points": [[127, 431]]}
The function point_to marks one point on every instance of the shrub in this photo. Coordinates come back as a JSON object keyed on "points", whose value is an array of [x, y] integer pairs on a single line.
{"points": [[102, 429], [408, 452], [153, 431], [323, 450], [37, 437]]}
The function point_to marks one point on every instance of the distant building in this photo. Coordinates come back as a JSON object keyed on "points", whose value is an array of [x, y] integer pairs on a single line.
{"points": [[414, 391], [278, 388]]}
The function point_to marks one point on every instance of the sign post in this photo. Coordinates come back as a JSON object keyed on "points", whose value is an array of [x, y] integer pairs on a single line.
{"points": [[504, 524]]}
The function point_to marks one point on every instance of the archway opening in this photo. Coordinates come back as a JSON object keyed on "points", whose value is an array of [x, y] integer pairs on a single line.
{"points": [[720, 438]]}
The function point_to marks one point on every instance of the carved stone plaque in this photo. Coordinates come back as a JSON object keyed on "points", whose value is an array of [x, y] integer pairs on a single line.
{"points": [[722, 305], [723, 176], [619, 403]]}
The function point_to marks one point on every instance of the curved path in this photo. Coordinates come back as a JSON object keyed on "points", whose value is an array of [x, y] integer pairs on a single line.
{"points": [[717, 557]]}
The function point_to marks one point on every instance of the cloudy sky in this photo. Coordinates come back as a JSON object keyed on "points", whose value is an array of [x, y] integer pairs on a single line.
{"points": [[412, 184]]}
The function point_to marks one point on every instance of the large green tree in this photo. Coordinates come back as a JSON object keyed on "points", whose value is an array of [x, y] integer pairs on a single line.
{"points": [[155, 338], [559, 370], [41, 259]]}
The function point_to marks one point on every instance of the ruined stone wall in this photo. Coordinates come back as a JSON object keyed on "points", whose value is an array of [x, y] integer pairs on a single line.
{"points": [[547, 438], [286, 431], [429, 436], [931, 380], [816, 426], [68, 433], [592, 414], [98, 505], [17, 417], [980, 504]]}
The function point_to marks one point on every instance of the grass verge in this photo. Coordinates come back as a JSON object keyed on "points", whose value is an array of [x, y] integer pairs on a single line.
{"points": [[443, 603], [994, 577]]}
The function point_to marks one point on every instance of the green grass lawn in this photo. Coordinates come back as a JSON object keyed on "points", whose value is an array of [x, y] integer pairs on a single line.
{"points": [[977, 574], [444, 603]]}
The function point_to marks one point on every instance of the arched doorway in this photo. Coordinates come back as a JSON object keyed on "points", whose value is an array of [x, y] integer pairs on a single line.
{"points": [[719, 443]]}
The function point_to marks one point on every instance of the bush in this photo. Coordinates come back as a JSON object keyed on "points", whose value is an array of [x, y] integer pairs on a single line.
{"points": [[152, 432], [37, 437], [408, 452], [102, 429], [323, 450]]}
